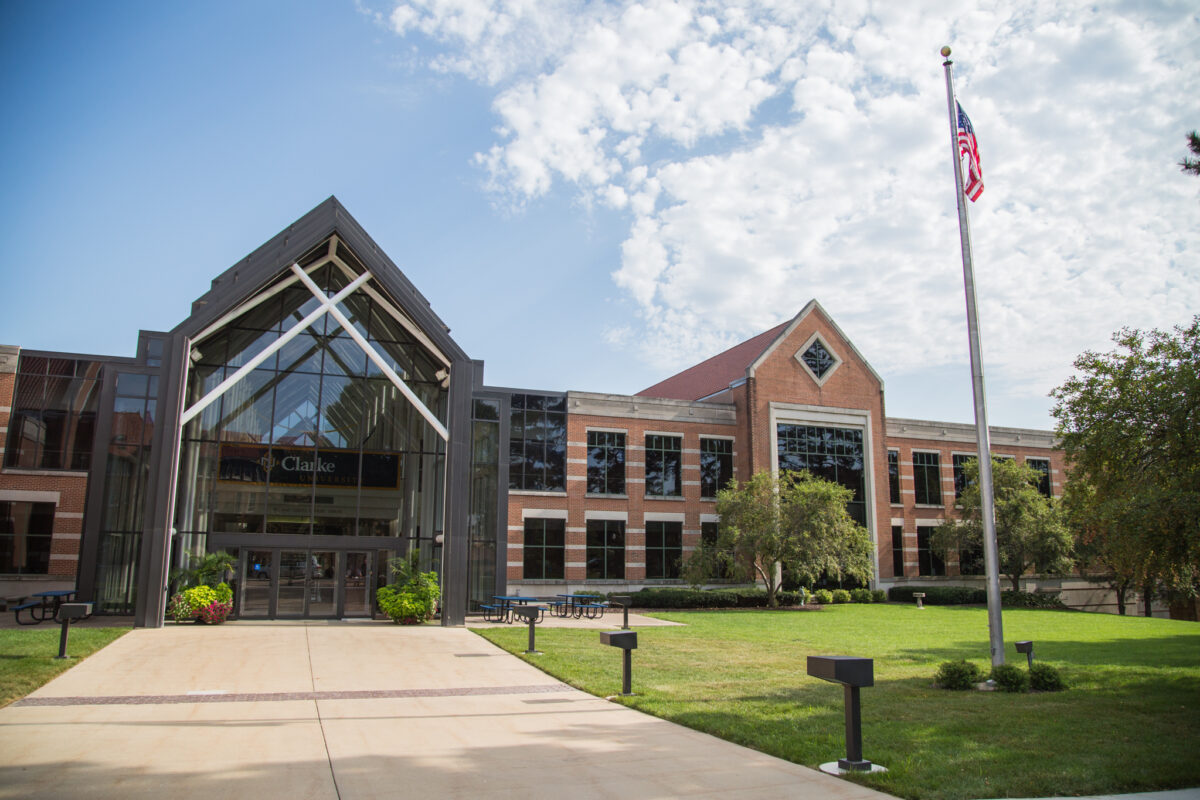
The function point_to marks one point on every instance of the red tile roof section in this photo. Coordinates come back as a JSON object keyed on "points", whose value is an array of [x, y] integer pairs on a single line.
{"points": [[715, 374]]}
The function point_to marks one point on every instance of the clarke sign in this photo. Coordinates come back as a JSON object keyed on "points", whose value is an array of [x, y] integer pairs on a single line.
{"points": [[291, 466]]}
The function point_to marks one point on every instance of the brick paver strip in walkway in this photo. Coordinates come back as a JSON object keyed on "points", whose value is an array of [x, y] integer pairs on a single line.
{"points": [[234, 697]]}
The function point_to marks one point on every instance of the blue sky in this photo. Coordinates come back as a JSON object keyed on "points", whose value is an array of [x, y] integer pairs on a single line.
{"points": [[594, 195]]}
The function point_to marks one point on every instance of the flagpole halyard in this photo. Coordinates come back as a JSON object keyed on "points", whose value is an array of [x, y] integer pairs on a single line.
{"points": [[991, 555]]}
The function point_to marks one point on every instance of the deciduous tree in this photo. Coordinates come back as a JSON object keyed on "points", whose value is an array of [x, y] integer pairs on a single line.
{"points": [[793, 520], [1130, 427], [1030, 535]]}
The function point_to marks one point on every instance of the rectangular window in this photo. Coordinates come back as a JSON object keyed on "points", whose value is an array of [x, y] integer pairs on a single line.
{"points": [[605, 549], [1042, 465], [664, 549], [835, 454], [605, 462], [664, 466], [25, 530], [898, 551], [53, 413], [927, 479], [716, 465], [537, 444], [894, 476], [545, 549], [959, 462], [928, 562]]}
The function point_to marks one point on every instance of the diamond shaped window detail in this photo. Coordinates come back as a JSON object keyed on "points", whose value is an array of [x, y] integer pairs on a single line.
{"points": [[818, 360]]}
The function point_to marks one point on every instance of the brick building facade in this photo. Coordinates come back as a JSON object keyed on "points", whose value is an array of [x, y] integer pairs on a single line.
{"points": [[312, 417]]}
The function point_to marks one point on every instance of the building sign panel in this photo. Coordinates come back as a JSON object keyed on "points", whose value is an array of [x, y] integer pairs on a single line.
{"points": [[293, 466]]}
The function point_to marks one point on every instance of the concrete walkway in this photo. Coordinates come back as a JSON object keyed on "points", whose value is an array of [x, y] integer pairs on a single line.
{"points": [[356, 710]]}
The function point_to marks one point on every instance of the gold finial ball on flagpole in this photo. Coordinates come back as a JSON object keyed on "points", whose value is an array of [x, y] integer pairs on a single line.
{"points": [[946, 52]]}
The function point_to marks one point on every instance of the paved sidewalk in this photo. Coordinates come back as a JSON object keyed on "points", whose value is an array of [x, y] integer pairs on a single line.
{"points": [[356, 710]]}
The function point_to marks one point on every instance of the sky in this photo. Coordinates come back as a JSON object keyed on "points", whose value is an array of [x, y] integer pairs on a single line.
{"points": [[595, 195]]}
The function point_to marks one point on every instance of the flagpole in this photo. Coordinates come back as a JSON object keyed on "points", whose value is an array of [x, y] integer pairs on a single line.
{"points": [[991, 556]]}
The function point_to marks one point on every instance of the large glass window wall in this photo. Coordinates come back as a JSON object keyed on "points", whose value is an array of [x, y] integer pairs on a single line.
{"points": [[53, 413], [315, 440], [835, 454]]}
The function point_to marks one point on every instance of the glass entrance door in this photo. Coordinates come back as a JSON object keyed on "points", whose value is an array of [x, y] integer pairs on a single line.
{"points": [[257, 594], [291, 582], [357, 588], [300, 584]]}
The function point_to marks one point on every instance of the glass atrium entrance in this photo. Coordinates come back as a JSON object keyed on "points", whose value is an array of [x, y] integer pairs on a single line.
{"points": [[314, 442]]}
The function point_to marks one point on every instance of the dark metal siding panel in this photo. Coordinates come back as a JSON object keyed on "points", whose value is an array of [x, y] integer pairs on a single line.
{"points": [[160, 491], [455, 533], [93, 506]]}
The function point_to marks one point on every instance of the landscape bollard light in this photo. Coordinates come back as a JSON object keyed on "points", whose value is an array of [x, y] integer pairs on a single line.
{"points": [[627, 641], [920, 596], [68, 612], [624, 601], [853, 674], [1027, 649], [530, 614]]}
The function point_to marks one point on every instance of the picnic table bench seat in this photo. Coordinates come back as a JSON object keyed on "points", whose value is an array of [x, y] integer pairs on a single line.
{"points": [[30, 606]]}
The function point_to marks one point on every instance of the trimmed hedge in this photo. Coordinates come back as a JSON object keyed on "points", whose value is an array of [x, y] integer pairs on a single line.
{"points": [[672, 597], [939, 595], [965, 595]]}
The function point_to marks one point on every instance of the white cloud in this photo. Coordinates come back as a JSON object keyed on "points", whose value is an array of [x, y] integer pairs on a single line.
{"points": [[767, 155]]}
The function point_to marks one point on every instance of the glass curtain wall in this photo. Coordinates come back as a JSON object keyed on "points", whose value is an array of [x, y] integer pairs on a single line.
{"points": [[485, 485], [315, 441], [126, 472], [835, 454]]}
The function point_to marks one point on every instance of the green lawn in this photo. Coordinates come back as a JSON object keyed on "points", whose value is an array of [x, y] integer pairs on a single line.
{"points": [[27, 655], [1129, 722]]}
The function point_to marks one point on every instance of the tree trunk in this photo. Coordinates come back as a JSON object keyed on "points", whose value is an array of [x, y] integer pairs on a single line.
{"points": [[1121, 600], [1148, 599]]}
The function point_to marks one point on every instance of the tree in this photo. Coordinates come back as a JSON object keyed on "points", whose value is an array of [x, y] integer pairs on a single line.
{"points": [[1030, 535], [795, 520], [1130, 427], [1101, 531], [1192, 165]]}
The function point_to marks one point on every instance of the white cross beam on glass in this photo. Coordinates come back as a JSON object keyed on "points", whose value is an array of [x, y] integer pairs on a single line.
{"points": [[328, 305]]}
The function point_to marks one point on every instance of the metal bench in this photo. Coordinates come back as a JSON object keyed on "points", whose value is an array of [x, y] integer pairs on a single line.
{"points": [[494, 613], [37, 612]]}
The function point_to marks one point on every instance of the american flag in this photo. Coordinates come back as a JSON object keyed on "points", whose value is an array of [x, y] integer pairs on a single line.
{"points": [[969, 147]]}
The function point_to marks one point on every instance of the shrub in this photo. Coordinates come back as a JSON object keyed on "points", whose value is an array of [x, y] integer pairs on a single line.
{"points": [[939, 595], [199, 597], [860, 595], [958, 675], [1013, 599], [823, 596], [1045, 678], [412, 602], [224, 593], [841, 596], [878, 596], [1010, 678], [179, 609]]}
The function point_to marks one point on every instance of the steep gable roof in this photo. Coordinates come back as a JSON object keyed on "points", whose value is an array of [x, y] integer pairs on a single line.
{"points": [[740, 361], [715, 374]]}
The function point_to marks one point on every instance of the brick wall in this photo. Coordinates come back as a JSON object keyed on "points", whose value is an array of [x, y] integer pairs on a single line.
{"points": [[67, 490]]}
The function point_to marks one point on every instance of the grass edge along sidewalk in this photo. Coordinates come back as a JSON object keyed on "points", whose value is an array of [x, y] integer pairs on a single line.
{"points": [[27, 655], [1129, 722]]}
